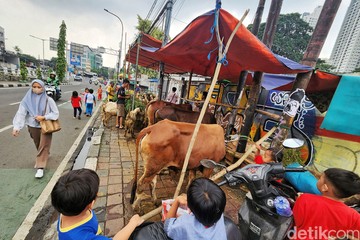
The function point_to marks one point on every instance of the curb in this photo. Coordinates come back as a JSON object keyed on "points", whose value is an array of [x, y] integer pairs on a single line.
{"points": [[43, 200]]}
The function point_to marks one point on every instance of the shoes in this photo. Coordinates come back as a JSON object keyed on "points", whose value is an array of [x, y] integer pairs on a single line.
{"points": [[79, 117], [122, 127], [39, 173], [117, 126], [74, 117]]}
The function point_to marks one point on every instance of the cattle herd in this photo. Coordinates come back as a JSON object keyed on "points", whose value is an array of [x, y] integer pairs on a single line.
{"points": [[165, 140]]}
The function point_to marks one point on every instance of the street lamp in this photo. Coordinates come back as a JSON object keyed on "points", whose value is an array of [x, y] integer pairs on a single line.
{"points": [[43, 40], [122, 31]]}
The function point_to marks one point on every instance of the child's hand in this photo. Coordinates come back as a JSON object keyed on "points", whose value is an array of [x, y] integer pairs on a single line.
{"points": [[136, 220], [182, 200]]}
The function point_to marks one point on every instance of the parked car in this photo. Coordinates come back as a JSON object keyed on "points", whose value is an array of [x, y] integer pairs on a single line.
{"points": [[78, 78]]}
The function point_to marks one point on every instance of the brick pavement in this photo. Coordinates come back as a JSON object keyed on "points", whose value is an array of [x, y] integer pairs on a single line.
{"points": [[115, 167]]}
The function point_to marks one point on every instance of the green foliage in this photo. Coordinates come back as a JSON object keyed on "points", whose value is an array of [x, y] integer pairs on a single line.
{"points": [[137, 104], [61, 60], [291, 37], [357, 70], [323, 66], [23, 71], [144, 26], [291, 155], [38, 72]]}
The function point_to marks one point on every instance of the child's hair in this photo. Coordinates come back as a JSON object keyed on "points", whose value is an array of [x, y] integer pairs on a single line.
{"points": [[273, 153], [74, 191], [75, 94], [86, 89], [346, 183], [206, 200], [91, 90]]}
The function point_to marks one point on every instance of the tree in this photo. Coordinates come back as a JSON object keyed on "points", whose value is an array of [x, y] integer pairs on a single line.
{"points": [[323, 66], [38, 72], [144, 26], [356, 70], [23, 71], [61, 60], [291, 38]]}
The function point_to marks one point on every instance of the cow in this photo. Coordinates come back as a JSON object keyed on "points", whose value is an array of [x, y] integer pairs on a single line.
{"points": [[180, 115], [165, 144], [108, 109], [135, 115], [154, 105]]}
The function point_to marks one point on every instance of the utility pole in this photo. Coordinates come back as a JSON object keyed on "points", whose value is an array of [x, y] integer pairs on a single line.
{"points": [[268, 38], [43, 40], [310, 58], [169, 6]]}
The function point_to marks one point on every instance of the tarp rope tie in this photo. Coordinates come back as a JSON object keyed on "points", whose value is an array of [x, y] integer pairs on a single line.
{"points": [[216, 15], [209, 55], [223, 61]]}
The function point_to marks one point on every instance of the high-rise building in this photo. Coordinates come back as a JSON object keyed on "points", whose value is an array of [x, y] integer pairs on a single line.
{"points": [[312, 18], [345, 56]]}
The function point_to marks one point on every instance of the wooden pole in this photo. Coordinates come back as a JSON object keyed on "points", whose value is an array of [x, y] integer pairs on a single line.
{"points": [[207, 100]]}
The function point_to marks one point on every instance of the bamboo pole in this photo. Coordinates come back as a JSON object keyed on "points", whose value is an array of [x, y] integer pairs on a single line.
{"points": [[207, 100], [246, 154], [202, 113]]}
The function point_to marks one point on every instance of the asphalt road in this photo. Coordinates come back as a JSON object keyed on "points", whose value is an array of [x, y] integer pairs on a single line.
{"points": [[19, 189]]}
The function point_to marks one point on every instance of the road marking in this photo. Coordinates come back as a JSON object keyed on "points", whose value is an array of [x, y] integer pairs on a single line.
{"points": [[68, 92], [6, 128], [14, 103], [63, 103]]}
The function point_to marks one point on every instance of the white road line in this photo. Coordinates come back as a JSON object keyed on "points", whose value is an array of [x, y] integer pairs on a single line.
{"points": [[68, 92], [14, 103], [63, 103], [6, 128]]}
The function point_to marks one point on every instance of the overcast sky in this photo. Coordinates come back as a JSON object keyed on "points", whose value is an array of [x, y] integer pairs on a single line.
{"points": [[87, 22]]}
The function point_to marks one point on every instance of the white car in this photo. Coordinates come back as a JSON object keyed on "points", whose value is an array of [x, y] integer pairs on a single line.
{"points": [[78, 78], [94, 80]]}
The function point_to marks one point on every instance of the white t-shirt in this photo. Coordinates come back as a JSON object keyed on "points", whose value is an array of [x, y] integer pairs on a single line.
{"points": [[89, 98]]}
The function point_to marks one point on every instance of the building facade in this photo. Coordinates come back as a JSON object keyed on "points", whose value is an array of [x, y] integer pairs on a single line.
{"points": [[345, 56], [312, 18]]}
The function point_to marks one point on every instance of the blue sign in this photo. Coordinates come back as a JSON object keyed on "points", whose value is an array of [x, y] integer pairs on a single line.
{"points": [[75, 59]]}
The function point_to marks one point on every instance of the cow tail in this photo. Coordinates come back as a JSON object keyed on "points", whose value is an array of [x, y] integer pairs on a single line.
{"points": [[138, 139]]}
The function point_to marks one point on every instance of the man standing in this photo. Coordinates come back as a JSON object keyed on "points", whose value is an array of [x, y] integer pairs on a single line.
{"points": [[172, 97], [110, 90], [121, 98]]}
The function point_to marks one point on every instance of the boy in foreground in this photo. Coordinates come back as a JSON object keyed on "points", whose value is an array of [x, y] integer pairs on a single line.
{"points": [[73, 196]]}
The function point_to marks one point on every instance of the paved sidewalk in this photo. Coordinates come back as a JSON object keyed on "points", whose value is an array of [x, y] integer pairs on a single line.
{"points": [[115, 166], [113, 158]]}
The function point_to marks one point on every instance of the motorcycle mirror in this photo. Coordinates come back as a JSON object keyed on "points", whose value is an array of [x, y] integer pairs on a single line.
{"points": [[293, 143], [208, 163]]}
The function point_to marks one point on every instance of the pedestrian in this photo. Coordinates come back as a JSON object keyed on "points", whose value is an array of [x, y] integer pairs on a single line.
{"points": [[74, 196], [99, 93], [110, 91], [90, 102], [137, 90], [76, 104], [121, 99], [269, 155], [172, 97], [31, 112], [86, 91]]}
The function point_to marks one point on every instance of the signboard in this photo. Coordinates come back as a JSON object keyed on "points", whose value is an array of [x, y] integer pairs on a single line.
{"points": [[75, 59], [77, 48], [53, 44]]}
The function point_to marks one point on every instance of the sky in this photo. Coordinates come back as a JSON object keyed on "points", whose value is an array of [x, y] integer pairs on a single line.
{"points": [[87, 22]]}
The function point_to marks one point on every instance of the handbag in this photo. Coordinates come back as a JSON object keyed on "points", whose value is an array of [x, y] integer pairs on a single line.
{"points": [[49, 126]]}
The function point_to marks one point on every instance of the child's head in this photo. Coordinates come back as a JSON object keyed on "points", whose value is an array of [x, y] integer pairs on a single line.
{"points": [[206, 200], [75, 192], [91, 90], [339, 183], [86, 90], [269, 155], [75, 94]]}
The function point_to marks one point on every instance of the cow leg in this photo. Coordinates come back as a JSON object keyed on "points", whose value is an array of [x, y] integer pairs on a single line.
{"points": [[153, 191], [145, 179]]}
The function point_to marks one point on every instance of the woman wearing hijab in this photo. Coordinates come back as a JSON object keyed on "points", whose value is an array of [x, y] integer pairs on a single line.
{"points": [[31, 112]]}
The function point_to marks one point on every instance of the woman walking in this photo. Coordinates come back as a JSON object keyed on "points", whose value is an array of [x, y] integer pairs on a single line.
{"points": [[34, 108]]}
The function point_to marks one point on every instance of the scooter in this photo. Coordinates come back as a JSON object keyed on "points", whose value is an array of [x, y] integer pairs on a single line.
{"points": [[258, 218], [53, 91]]}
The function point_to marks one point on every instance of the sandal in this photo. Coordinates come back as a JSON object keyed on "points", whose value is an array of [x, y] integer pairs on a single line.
{"points": [[117, 126], [122, 127]]}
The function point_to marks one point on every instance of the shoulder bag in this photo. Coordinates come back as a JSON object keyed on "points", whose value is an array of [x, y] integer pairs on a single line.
{"points": [[49, 126]]}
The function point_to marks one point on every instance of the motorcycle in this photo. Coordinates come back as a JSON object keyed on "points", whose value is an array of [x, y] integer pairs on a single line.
{"points": [[53, 91], [258, 218]]}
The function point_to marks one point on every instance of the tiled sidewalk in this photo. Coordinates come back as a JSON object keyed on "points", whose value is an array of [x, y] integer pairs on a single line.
{"points": [[115, 167]]}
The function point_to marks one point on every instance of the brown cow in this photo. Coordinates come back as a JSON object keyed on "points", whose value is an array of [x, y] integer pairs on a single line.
{"points": [[180, 115], [154, 105], [131, 119], [165, 144]]}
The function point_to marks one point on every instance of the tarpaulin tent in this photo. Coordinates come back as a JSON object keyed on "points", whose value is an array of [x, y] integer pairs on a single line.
{"points": [[195, 50]]}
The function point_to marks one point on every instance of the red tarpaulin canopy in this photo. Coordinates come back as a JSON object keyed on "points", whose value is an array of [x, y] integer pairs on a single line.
{"points": [[188, 51]]}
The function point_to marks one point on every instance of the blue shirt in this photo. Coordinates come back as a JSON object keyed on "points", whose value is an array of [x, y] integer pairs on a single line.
{"points": [[88, 229], [188, 227]]}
